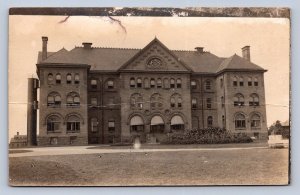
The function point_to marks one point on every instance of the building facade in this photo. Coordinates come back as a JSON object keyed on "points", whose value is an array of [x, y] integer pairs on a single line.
{"points": [[95, 95]]}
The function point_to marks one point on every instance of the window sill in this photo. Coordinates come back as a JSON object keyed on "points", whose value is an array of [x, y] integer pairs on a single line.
{"points": [[240, 129], [73, 132], [53, 132]]}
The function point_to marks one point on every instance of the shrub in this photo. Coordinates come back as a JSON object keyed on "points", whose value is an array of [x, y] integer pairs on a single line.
{"points": [[207, 136]]}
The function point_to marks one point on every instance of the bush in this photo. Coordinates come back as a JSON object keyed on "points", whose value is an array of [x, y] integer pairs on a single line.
{"points": [[207, 136]]}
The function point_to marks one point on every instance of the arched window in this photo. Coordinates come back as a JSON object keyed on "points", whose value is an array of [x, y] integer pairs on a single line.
{"points": [[111, 126], [139, 83], [235, 82], [156, 101], [255, 82], [50, 78], [240, 121], [110, 84], [159, 83], [132, 83], [152, 83], [94, 125], [255, 121], [172, 83], [58, 78], [193, 84], [69, 78], [208, 103], [249, 81], [73, 123], [136, 124], [146, 83], [194, 103], [166, 83], [238, 100], [176, 101], [136, 101], [177, 123], [241, 81], [254, 100], [73, 100], [178, 83], [53, 123], [94, 84], [157, 125], [209, 121], [76, 79], [208, 85], [54, 100]]}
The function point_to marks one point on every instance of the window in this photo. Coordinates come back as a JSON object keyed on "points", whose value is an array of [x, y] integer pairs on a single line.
{"points": [[139, 83], [73, 100], [249, 81], [255, 82], [208, 103], [146, 83], [194, 103], [110, 84], [240, 122], [241, 81], [156, 101], [94, 101], [136, 101], [73, 123], [94, 84], [221, 82], [255, 121], [58, 78], [166, 83], [178, 83], [54, 100], [223, 121], [76, 79], [222, 101], [111, 126], [208, 85], [238, 100], [254, 100], [172, 83], [159, 83], [209, 121], [157, 125], [193, 85], [179, 102], [176, 100], [132, 83], [53, 123], [94, 125], [69, 78], [235, 82], [172, 102], [152, 83], [177, 123], [50, 78]]}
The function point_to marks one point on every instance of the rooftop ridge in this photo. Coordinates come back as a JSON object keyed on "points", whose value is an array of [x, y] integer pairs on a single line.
{"points": [[120, 48]]}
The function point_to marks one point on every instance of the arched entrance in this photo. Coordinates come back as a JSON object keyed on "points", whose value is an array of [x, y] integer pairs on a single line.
{"points": [[157, 125], [177, 123], [136, 124]]}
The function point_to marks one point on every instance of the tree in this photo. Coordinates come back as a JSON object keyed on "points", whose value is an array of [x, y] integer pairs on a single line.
{"points": [[276, 128]]}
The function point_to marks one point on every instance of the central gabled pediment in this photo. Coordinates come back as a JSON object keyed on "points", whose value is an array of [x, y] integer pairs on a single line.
{"points": [[155, 57]]}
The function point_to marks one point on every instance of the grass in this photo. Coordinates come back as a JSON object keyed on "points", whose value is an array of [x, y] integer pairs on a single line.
{"points": [[216, 167]]}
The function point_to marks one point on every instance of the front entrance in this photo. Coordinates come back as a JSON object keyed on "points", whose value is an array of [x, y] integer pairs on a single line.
{"points": [[157, 125]]}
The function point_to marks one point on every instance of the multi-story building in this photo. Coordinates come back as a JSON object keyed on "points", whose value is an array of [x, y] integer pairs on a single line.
{"points": [[105, 95]]}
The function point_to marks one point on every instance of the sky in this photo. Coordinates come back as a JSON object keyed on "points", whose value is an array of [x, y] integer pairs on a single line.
{"points": [[269, 39]]}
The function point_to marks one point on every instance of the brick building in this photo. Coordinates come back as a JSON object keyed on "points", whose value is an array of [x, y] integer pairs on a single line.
{"points": [[91, 95]]}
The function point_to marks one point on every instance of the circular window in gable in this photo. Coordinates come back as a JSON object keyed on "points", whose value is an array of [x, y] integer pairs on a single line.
{"points": [[155, 63]]}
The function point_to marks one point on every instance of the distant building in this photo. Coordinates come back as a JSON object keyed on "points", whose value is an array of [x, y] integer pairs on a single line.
{"points": [[18, 141], [92, 95]]}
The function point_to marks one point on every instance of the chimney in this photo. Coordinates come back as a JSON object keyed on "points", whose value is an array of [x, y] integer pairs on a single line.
{"points": [[87, 45], [246, 52], [199, 49], [44, 49]]}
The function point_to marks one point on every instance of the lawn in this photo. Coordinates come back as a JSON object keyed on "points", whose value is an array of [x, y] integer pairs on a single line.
{"points": [[215, 167]]}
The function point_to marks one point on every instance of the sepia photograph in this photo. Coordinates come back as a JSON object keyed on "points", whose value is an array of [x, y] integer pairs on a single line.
{"points": [[149, 96]]}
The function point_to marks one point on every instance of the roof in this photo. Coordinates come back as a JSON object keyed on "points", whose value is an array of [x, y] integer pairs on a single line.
{"points": [[112, 59]]}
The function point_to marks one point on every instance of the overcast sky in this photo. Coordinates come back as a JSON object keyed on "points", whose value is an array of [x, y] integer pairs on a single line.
{"points": [[268, 38]]}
